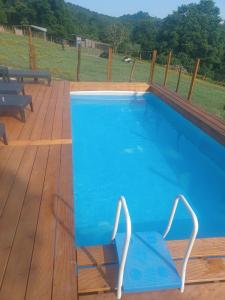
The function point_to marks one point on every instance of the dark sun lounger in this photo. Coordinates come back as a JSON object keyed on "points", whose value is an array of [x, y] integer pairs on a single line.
{"points": [[13, 88], [3, 134], [15, 103], [20, 75]]}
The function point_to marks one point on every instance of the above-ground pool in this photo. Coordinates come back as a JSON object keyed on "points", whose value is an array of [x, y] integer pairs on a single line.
{"points": [[134, 144]]}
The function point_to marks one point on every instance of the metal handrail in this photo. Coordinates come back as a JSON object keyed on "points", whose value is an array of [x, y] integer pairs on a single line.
{"points": [[122, 202], [192, 238]]}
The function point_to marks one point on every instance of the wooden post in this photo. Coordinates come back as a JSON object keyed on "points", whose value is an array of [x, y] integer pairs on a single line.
{"points": [[167, 67], [30, 47], [193, 79], [109, 66], [33, 58], [78, 62], [179, 77], [132, 70], [32, 52], [152, 68]]}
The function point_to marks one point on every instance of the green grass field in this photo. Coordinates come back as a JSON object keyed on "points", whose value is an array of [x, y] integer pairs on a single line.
{"points": [[62, 64]]}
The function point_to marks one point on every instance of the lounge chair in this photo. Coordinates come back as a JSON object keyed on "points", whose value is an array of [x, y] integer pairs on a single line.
{"points": [[15, 103], [20, 75], [3, 134], [3, 72], [12, 88]]}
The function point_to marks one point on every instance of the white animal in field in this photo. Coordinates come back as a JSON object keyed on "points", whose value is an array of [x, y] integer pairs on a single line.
{"points": [[127, 59]]}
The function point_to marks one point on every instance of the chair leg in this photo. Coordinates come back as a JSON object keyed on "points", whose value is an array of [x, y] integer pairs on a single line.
{"points": [[5, 139], [22, 114], [23, 91], [31, 106]]}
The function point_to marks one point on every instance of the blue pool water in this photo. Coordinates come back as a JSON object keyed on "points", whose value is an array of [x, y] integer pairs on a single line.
{"points": [[139, 147]]}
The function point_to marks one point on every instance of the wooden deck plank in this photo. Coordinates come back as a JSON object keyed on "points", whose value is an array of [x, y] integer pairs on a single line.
{"points": [[207, 291], [5, 152], [49, 117], [204, 270], [10, 217], [39, 122], [66, 126], [58, 117], [101, 278], [99, 255], [41, 273], [65, 281], [109, 86], [38, 95], [7, 177], [204, 247], [96, 255], [95, 280], [22, 249]]}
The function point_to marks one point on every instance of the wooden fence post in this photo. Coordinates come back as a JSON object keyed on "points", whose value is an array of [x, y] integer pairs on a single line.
{"points": [[132, 70], [179, 77], [32, 52], [33, 57], [193, 79], [30, 46], [152, 68], [78, 62], [167, 67], [109, 65]]}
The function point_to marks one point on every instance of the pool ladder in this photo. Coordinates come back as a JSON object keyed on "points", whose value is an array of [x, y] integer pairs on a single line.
{"points": [[153, 245]]}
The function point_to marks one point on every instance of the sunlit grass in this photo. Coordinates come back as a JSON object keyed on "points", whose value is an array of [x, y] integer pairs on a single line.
{"points": [[62, 64]]}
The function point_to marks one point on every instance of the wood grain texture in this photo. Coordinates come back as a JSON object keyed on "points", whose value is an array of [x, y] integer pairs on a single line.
{"points": [[37, 253], [99, 255], [207, 291], [102, 278]]}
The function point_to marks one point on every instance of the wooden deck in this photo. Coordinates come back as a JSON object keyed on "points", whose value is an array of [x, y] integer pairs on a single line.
{"points": [[38, 259]]}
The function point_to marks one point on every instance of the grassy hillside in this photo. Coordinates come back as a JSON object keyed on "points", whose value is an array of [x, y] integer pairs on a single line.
{"points": [[62, 64]]}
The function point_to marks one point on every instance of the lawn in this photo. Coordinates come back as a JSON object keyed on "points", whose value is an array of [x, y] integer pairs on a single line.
{"points": [[62, 64]]}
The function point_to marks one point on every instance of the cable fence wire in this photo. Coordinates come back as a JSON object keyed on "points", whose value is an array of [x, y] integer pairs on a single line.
{"points": [[93, 64], [13, 51]]}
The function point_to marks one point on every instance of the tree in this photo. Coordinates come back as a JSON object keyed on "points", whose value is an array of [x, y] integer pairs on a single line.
{"points": [[116, 35], [3, 18], [194, 30]]}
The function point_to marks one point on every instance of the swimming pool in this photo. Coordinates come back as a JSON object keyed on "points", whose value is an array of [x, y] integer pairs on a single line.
{"points": [[134, 144]]}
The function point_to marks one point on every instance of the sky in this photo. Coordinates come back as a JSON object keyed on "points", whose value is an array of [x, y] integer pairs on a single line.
{"points": [[156, 8]]}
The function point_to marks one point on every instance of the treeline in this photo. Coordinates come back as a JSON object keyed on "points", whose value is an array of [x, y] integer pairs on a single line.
{"points": [[194, 30]]}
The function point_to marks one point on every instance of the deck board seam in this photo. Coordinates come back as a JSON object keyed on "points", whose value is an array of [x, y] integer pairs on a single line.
{"points": [[14, 235], [37, 223]]}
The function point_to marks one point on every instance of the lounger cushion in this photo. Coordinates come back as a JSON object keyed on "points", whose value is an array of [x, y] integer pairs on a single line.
{"points": [[14, 101], [2, 129], [11, 87], [29, 73], [3, 71]]}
